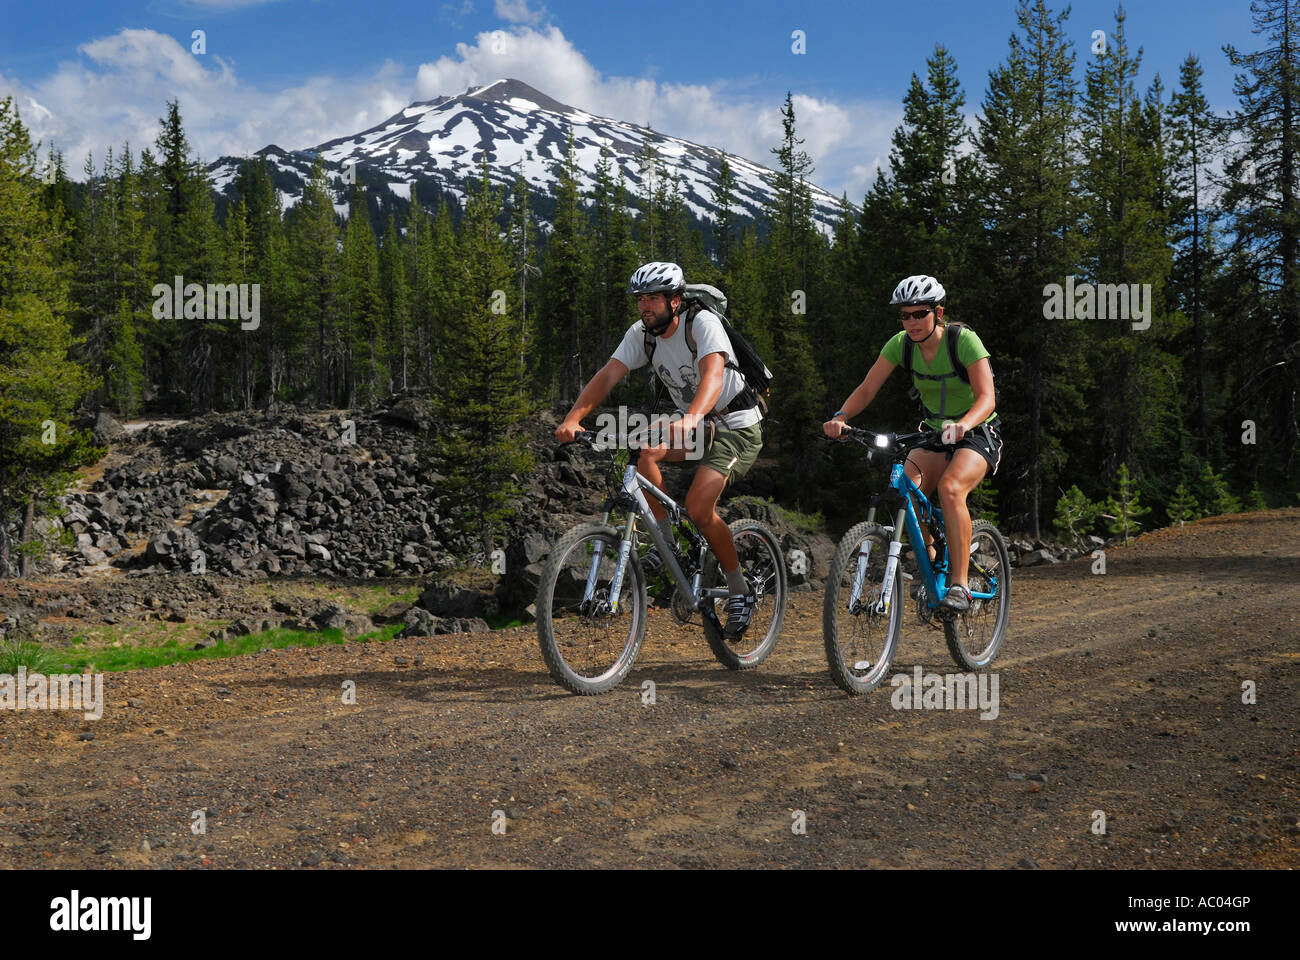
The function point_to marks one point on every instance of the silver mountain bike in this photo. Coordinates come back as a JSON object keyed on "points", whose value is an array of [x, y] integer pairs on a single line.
{"points": [[592, 602]]}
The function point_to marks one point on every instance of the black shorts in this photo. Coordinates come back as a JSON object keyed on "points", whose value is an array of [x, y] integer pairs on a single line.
{"points": [[986, 440]]}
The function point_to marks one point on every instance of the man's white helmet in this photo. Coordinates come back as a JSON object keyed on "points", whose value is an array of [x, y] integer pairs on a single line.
{"points": [[657, 277], [917, 289]]}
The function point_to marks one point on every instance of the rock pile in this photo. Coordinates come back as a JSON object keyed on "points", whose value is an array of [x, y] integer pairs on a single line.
{"points": [[340, 495]]}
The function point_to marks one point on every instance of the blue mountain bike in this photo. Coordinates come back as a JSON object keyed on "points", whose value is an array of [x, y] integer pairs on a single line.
{"points": [[863, 609]]}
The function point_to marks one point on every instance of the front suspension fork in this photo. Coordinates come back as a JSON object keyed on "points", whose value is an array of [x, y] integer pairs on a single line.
{"points": [[624, 551]]}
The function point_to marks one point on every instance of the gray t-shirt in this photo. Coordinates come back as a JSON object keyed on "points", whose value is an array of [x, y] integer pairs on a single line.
{"points": [[680, 372]]}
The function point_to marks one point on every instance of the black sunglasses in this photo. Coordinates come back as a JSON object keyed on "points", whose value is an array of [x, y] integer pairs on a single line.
{"points": [[915, 314]]}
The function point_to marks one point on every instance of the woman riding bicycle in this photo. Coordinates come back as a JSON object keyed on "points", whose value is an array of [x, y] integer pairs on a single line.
{"points": [[974, 446]]}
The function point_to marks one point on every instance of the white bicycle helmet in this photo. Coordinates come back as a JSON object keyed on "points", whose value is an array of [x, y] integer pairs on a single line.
{"points": [[657, 277], [917, 289]]}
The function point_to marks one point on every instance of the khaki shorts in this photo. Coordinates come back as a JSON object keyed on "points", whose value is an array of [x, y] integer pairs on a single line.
{"points": [[734, 451]]}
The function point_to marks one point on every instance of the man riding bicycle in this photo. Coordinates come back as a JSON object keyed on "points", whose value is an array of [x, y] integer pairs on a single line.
{"points": [[705, 386], [974, 445]]}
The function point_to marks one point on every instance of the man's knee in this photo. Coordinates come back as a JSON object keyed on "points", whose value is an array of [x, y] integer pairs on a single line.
{"points": [[700, 509]]}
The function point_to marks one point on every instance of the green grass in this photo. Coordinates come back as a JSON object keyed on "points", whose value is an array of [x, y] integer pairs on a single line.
{"points": [[374, 599], [15, 653], [113, 659], [810, 522]]}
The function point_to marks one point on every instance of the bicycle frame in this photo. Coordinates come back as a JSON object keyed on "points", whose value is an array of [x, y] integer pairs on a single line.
{"points": [[935, 580], [635, 487]]}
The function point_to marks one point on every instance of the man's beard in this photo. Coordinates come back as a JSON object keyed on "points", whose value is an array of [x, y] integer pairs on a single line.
{"points": [[661, 321]]}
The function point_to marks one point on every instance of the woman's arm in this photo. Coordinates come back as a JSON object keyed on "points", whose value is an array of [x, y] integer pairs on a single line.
{"points": [[981, 382], [860, 398]]}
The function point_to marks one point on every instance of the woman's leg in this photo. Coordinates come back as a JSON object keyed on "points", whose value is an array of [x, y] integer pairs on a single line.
{"points": [[925, 467], [963, 475]]}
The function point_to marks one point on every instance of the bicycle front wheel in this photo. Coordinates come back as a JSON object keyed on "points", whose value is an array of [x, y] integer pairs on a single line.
{"points": [[589, 643], [763, 563], [974, 637], [861, 637]]}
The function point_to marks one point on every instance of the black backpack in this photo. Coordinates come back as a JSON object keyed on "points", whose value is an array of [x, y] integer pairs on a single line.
{"points": [[758, 379], [951, 336]]}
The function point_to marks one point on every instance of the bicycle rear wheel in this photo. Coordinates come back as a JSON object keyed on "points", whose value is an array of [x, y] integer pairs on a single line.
{"points": [[860, 638], [974, 637], [763, 563], [589, 647]]}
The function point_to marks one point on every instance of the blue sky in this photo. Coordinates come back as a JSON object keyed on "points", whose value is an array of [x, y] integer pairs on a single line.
{"points": [[297, 72]]}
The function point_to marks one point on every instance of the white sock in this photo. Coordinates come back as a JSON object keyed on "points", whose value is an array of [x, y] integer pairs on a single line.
{"points": [[736, 582]]}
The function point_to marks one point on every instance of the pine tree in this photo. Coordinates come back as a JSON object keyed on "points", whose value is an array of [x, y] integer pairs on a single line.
{"points": [[798, 394], [649, 234], [197, 255], [933, 178], [1182, 507], [441, 286], [283, 322], [1124, 506], [564, 282], [1125, 244], [839, 323], [1214, 495], [124, 364], [177, 183], [314, 242], [1076, 514], [1196, 138], [95, 287], [677, 229], [1025, 136], [480, 400], [361, 310], [1262, 199], [240, 269], [1255, 499], [264, 352], [395, 293], [523, 255], [793, 166], [724, 200], [159, 337], [606, 286], [39, 384]]}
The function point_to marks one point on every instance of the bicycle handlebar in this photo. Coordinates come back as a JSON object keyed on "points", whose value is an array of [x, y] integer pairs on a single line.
{"points": [[892, 441], [582, 436]]}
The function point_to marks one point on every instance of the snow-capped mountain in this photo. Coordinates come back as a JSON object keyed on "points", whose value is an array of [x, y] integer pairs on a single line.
{"points": [[438, 142]]}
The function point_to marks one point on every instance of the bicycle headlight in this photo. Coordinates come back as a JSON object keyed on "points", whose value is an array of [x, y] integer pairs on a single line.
{"points": [[882, 440]]}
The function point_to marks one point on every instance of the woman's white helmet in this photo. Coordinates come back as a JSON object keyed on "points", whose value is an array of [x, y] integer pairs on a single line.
{"points": [[917, 289], [657, 277]]}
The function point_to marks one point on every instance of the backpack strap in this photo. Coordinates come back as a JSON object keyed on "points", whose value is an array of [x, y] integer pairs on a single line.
{"points": [[951, 335], [690, 338], [951, 332], [748, 397], [912, 392]]}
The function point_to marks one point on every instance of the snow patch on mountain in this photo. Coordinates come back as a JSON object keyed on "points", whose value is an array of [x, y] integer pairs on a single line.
{"points": [[442, 141]]}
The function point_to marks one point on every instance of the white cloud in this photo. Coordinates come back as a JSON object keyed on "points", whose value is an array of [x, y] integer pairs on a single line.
{"points": [[516, 11], [118, 90]]}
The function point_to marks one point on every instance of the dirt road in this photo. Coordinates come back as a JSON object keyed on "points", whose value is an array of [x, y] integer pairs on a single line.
{"points": [[1120, 693]]}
